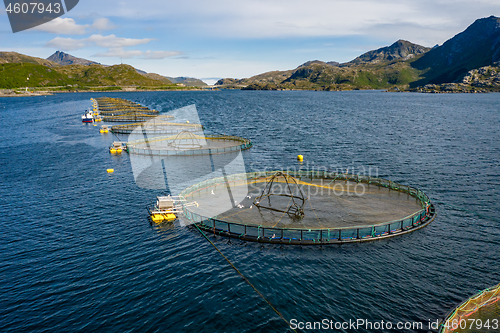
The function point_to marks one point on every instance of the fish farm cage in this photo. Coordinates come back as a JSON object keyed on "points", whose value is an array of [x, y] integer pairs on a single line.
{"points": [[111, 104], [479, 313], [156, 126], [188, 143], [307, 207], [121, 110], [134, 117]]}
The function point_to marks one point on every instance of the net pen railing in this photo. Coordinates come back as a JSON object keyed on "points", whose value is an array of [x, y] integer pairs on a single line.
{"points": [[310, 236], [154, 127], [122, 111], [128, 117], [134, 147]]}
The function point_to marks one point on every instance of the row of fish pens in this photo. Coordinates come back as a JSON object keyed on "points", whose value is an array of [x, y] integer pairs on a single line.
{"points": [[122, 110]]}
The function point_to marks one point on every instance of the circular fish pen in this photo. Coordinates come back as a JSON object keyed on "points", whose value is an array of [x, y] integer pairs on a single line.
{"points": [[187, 143], [134, 117], [121, 110], [113, 104], [479, 313], [306, 207], [155, 127]]}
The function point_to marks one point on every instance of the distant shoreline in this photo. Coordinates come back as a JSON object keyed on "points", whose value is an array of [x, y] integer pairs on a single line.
{"points": [[422, 91], [13, 93]]}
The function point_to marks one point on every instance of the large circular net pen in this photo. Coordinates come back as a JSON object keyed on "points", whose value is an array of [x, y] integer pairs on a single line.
{"points": [[188, 143], [307, 207], [479, 313]]}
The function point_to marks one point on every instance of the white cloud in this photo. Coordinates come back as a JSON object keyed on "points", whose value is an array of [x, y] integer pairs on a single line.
{"points": [[62, 26], [126, 54], [66, 44], [120, 53], [110, 41], [103, 24], [68, 26], [160, 54], [314, 18]]}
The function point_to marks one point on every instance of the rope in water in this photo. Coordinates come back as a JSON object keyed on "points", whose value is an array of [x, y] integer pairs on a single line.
{"points": [[246, 280]]}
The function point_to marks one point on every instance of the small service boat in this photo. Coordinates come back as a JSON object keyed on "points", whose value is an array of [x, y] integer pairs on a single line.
{"points": [[117, 147], [88, 117], [167, 208], [104, 129]]}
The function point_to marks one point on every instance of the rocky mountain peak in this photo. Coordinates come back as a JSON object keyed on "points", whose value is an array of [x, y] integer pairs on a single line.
{"points": [[67, 59], [401, 49]]}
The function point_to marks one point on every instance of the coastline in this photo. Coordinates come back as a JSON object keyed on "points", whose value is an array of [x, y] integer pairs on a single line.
{"points": [[421, 90], [15, 93]]}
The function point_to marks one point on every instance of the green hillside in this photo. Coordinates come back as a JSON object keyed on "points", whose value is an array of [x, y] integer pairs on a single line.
{"points": [[381, 75], [15, 76], [98, 75], [14, 57]]}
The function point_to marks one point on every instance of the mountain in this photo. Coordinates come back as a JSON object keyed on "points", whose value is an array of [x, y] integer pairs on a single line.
{"points": [[399, 66], [67, 59], [13, 75], [272, 78], [401, 49], [158, 77], [477, 46], [68, 72], [326, 77], [484, 79], [187, 81], [330, 63], [14, 57], [379, 69], [99, 75]]}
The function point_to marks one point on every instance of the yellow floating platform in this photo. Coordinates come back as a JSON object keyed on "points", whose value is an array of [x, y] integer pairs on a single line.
{"points": [[158, 218]]}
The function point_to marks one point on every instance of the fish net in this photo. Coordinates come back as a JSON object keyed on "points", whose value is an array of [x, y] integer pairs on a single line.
{"points": [[306, 207], [187, 143], [480, 313]]}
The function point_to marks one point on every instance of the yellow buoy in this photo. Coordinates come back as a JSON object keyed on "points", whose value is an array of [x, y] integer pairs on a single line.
{"points": [[112, 150], [300, 158], [118, 151], [110, 170], [170, 217], [157, 218], [187, 121]]}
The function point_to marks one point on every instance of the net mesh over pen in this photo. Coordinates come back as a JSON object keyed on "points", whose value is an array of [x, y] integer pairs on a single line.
{"points": [[307, 207]]}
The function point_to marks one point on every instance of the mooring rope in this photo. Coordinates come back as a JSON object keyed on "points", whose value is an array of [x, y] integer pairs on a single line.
{"points": [[246, 280]]}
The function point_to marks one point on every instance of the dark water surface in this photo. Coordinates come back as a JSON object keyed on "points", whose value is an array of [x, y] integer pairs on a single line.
{"points": [[79, 254]]}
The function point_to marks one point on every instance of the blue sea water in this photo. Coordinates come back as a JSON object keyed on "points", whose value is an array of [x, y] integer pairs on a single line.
{"points": [[78, 253]]}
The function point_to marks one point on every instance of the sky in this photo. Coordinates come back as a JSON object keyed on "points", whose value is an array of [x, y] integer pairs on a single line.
{"points": [[213, 39]]}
